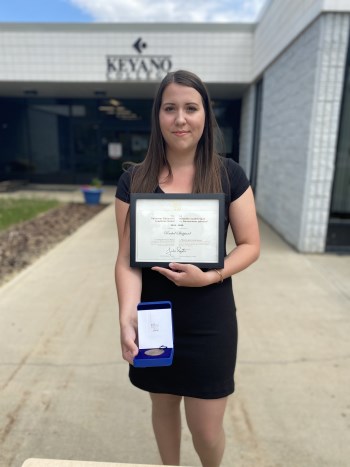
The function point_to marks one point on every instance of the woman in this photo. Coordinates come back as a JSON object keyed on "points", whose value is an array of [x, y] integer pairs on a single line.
{"points": [[181, 159]]}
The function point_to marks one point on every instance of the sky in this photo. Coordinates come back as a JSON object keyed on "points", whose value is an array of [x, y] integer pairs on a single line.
{"points": [[132, 11]]}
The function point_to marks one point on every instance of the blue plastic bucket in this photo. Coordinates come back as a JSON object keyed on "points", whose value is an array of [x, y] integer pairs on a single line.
{"points": [[92, 196]]}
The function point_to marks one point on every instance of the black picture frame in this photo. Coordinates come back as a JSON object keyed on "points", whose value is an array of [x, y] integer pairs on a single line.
{"points": [[140, 217]]}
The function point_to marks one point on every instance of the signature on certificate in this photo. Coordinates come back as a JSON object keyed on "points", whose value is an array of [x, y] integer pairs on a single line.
{"points": [[174, 252]]}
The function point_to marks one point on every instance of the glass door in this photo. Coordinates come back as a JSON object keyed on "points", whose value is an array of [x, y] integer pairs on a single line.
{"points": [[119, 146], [86, 150]]}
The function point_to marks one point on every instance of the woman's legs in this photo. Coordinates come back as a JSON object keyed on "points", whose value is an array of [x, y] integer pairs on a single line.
{"points": [[205, 421], [166, 419]]}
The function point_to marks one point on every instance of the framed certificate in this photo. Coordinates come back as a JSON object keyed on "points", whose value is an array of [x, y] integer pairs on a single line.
{"points": [[181, 228]]}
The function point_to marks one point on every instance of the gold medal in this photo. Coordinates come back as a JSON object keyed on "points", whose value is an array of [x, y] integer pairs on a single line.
{"points": [[154, 352]]}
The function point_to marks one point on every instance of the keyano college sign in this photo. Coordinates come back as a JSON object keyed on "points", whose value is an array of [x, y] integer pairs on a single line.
{"points": [[137, 67]]}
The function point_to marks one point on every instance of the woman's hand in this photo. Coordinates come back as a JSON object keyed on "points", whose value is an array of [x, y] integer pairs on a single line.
{"points": [[186, 275], [128, 334]]}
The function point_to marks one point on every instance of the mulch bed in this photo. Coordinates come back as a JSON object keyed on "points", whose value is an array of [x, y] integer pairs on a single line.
{"points": [[22, 244]]}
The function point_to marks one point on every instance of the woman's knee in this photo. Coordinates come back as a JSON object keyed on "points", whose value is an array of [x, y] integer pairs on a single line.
{"points": [[210, 436], [205, 420]]}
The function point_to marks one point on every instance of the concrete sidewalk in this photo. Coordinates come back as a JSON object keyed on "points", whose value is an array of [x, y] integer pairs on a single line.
{"points": [[64, 387]]}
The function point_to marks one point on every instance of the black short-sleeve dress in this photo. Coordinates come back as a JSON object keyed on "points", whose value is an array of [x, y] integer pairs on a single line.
{"points": [[204, 320]]}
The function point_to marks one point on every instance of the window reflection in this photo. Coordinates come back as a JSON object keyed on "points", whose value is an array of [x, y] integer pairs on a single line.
{"points": [[68, 140]]}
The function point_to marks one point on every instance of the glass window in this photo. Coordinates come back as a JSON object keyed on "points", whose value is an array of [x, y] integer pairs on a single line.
{"points": [[341, 186], [15, 160], [48, 128], [73, 140], [256, 133], [338, 235]]}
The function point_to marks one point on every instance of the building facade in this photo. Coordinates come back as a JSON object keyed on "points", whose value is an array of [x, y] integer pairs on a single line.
{"points": [[75, 102]]}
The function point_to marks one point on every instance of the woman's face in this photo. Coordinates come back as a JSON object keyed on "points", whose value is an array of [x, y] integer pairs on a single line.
{"points": [[181, 118]]}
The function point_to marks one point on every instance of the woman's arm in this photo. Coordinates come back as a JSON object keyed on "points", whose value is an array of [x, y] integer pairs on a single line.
{"points": [[244, 225], [245, 229], [128, 282]]}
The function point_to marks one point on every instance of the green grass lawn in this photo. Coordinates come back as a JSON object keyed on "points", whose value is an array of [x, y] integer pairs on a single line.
{"points": [[13, 211]]}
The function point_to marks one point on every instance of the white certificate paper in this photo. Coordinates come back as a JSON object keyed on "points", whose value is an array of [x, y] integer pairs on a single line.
{"points": [[177, 230], [155, 328]]}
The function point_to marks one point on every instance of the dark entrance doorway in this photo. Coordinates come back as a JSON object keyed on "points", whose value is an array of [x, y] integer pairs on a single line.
{"points": [[338, 236], [71, 141]]}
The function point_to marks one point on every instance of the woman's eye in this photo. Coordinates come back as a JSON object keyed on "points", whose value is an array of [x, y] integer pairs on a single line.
{"points": [[191, 109], [168, 109]]}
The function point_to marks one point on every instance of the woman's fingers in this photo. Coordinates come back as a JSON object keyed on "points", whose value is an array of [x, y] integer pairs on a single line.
{"points": [[129, 352], [185, 275], [129, 348]]}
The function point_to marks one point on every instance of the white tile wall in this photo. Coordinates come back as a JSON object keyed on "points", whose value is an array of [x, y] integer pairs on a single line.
{"points": [[335, 5], [333, 44], [81, 56], [282, 22], [301, 103]]}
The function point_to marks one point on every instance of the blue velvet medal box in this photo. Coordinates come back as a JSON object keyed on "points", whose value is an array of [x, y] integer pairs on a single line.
{"points": [[155, 334]]}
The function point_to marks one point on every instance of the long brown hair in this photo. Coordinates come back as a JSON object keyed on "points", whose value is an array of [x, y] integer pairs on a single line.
{"points": [[208, 164]]}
